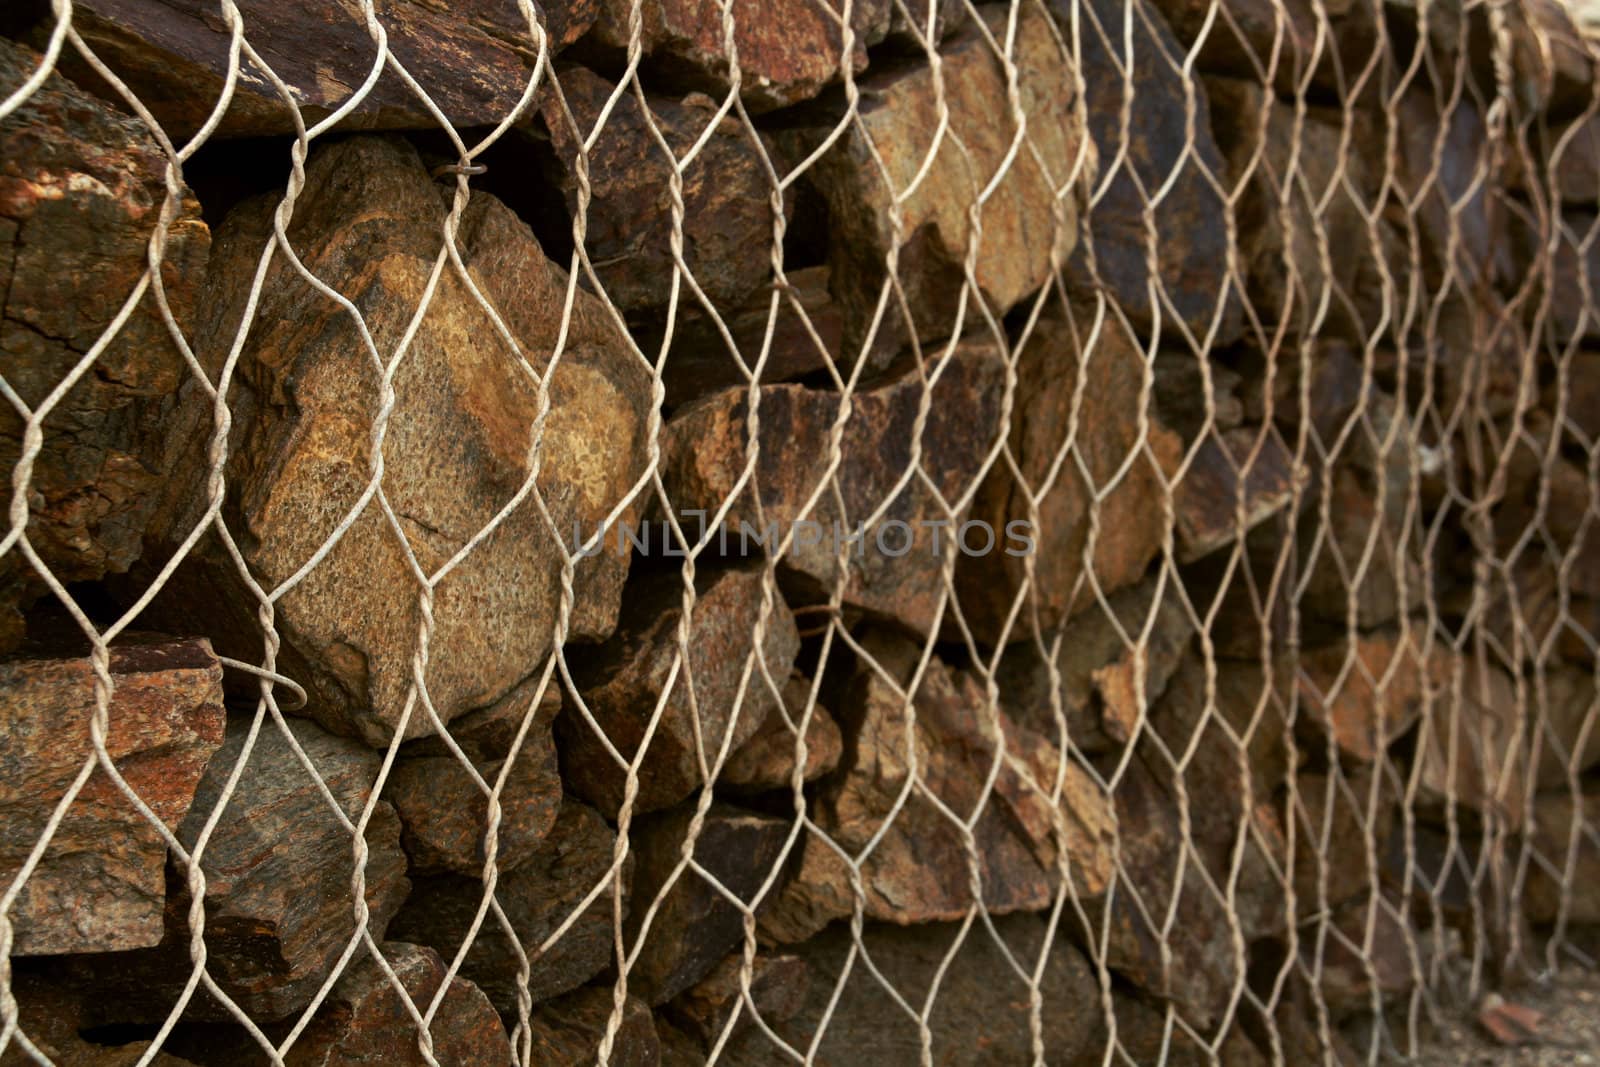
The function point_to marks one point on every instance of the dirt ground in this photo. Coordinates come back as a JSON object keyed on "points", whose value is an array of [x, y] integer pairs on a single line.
{"points": [[1568, 1034]]}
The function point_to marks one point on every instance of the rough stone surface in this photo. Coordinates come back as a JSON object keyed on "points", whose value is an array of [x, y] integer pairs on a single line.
{"points": [[365, 1021], [695, 925], [919, 870], [1564, 718], [1556, 853], [980, 1016], [1367, 691], [1234, 483], [567, 1031], [789, 50], [1099, 670], [1243, 36], [474, 59], [1155, 148], [81, 193], [101, 885], [727, 195], [1030, 218], [766, 760], [778, 987], [51, 1015], [807, 334], [455, 451], [1103, 434], [1330, 192], [278, 868], [626, 680], [707, 445], [1473, 749], [445, 812], [542, 892], [1337, 815], [1368, 951]]}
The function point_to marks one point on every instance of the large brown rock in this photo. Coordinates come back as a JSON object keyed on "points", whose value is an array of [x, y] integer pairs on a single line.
{"points": [[807, 335], [1564, 866], [1473, 748], [1109, 667], [913, 814], [767, 760], [474, 60], [895, 570], [541, 894], [444, 807], [1082, 408], [724, 689], [1337, 815], [101, 884], [1260, 40], [456, 449], [1234, 482], [1156, 145], [279, 866], [568, 1031], [1213, 894], [981, 1011], [1362, 694], [82, 192], [365, 1020], [1565, 724], [789, 50], [1029, 220], [727, 226], [1320, 246], [778, 987], [695, 924]]}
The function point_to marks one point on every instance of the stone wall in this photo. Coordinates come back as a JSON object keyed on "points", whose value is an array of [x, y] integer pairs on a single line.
{"points": [[893, 532]]}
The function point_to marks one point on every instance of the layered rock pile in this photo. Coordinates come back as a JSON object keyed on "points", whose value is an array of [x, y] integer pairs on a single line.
{"points": [[672, 533]]}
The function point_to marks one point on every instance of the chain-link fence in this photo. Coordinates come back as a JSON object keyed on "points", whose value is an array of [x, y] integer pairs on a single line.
{"points": [[760, 531]]}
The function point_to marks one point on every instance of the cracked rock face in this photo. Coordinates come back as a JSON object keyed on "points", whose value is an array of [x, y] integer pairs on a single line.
{"points": [[456, 447]]}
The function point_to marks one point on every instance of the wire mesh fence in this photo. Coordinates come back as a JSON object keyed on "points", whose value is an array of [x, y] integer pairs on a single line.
{"points": [[823, 531]]}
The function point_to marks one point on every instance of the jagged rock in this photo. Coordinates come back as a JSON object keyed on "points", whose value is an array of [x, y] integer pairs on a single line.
{"points": [[1193, 964], [278, 869], [766, 760], [474, 61], [1234, 482], [727, 195], [1472, 746], [1359, 539], [1155, 144], [101, 884], [1331, 193], [1029, 221], [305, 397], [894, 571], [819, 892], [568, 1031], [51, 1016], [789, 50], [1242, 38], [807, 335], [1181, 393], [81, 193], [695, 925], [919, 869], [913, 33], [1367, 691], [1207, 715], [444, 811], [1100, 429], [1566, 725], [980, 1014], [488, 734], [778, 987], [625, 680], [1366, 959], [1337, 815], [1099, 670], [364, 1020], [1550, 886], [544, 890], [1246, 604]]}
